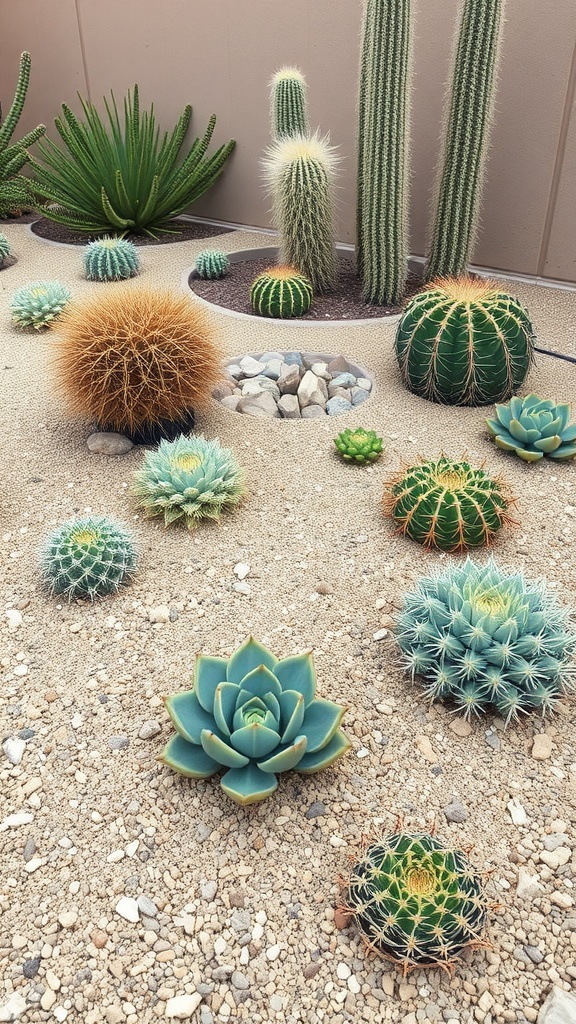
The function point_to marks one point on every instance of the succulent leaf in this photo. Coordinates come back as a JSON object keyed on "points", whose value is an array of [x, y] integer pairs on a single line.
{"points": [[220, 751], [188, 760], [322, 720], [292, 708], [248, 785], [359, 445], [323, 758], [209, 672], [285, 758], [250, 655], [225, 697], [261, 681], [188, 715], [298, 673], [533, 427]]}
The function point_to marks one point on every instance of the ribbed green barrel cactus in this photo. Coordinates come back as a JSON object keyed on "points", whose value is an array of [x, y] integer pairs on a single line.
{"points": [[485, 639], [5, 248], [211, 264], [417, 901], [448, 505], [255, 716], [187, 480], [38, 304], [300, 175], [88, 557], [533, 427], [15, 192], [288, 106], [359, 445], [464, 342], [281, 292], [383, 174], [111, 259], [467, 130]]}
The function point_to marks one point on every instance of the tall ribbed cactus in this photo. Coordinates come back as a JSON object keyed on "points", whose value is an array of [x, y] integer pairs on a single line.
{"points": [[467, 130], [288, 105], [15, 190], [382, 215], [300, 176]]}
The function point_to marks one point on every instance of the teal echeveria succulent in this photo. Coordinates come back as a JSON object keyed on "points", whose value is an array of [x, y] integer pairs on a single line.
{"points": [[5, 248], [189, 479], [211, 264], [533, 427], [111, 259], [38, 304], [483, 639], [256, 716], [88, 557]]}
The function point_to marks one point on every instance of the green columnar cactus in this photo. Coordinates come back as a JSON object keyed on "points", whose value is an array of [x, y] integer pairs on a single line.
{"points": [[417, 901], [467, 130], [111, 259], [38, 304], [255, 716], [300, 176], [281, 292], [359, 445], [88, 557], [533, 427], [211, 264], [484, 639], [447, 505], [5, 248], [463, 341], [15, 193], [288, 106], [187, 480], [382, 199]]}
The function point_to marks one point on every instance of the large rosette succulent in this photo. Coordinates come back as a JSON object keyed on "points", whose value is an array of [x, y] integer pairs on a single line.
{"points": [[256, 716], [533, 427]]}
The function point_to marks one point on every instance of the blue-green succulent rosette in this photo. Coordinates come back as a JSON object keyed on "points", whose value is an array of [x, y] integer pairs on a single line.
{"points": [[534, 427], [255, 715]]}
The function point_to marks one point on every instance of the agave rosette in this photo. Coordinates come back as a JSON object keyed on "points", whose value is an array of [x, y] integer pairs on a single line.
{"points": [[533, 427], [255, 715]]}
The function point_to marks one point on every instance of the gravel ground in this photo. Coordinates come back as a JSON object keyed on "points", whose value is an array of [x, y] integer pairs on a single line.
{"points": [[131, 895]]}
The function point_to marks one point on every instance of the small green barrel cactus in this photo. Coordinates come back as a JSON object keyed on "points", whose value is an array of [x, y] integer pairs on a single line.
{"points": [[187, 480], [88, 557], [5, 248], [463, 341], [111, 259], [211, 264], [288, 106], [38, 304], [359, 445], [417, 901], [447, 505], [485, 639], [281, 292], [533, 427]]}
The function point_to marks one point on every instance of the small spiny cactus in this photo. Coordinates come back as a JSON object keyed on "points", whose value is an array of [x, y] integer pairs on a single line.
{"points": [[211, 264], [5, 248], [281, 292], [288, 106], [38, 304], [88, 557], [359, 445], [111, 259]]}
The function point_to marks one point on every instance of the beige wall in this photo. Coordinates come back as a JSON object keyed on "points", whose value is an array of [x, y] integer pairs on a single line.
{"points": [[220, 57]]}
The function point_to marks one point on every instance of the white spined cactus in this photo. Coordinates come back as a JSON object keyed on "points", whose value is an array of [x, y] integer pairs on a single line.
{"points": [[38, 304]]}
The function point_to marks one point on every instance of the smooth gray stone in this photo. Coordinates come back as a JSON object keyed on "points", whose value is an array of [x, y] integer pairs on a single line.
{"points": [[312, 390], [359, 396], [289, 379], [108, 443], [335, 406], [313, 412], [262, 405], [289, 407], [344, 380]]}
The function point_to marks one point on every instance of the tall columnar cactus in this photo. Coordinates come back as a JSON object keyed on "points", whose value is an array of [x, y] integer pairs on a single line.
{"points": [[467, 130], [15, 191], [300, 176], [288, 104], [382, 201]]}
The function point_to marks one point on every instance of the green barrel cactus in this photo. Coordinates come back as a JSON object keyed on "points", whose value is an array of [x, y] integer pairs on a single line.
{"points": [[211, 264], [187, 480], [417, 901], [256, 716], [464, 342], [359, 445], [111, 259], [5, 248], [533, 427], [486, 639], [448, 505], [38, 304], [88, 557], [281, 292], [288, 105]]}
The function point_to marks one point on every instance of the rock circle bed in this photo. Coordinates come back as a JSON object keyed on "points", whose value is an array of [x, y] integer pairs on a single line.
{"points": [[293, 385]]}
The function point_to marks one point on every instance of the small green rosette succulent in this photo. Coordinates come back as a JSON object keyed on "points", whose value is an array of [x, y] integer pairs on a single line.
{"points": [[533, 427], [359, 445], [38, 304], [255, 715]]}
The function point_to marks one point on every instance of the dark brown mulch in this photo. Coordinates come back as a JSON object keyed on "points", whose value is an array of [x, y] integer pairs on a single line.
{"points": [[343, 303], [23, 218], [188, 231]]}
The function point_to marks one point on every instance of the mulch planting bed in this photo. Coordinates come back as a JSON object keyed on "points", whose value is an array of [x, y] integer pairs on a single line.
{"points": [[188, 231]]}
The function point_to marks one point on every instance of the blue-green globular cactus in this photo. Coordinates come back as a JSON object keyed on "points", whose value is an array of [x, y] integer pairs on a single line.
{"points": [[482, 638], [38, 304], [111, 259], [88, 557], [256, 716], [211, 264], [5, 248], [533, 427], [189, 479]]}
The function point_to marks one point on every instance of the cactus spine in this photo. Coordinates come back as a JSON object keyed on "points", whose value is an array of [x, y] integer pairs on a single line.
{"points": [[382, 222], [288, 104], [467, 129]]}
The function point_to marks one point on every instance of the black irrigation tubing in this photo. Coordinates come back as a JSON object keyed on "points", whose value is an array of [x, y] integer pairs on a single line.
{"points": [[557, 355]]}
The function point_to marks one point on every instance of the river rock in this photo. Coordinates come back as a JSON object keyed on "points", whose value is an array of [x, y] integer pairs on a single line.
{"points": [[289, 379], [359, 396], [289, 407], [231, 402], [336, 405], [105, 442], [313, 412], [344, 380], [256, 385], [312, 390], [559, 1008], [251, 367], [262, 405]]}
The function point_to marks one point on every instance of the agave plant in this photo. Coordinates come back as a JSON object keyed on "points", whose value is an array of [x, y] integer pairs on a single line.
{"points": [[533, 427], [127, 178], [256, 716], [418, 902]]}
